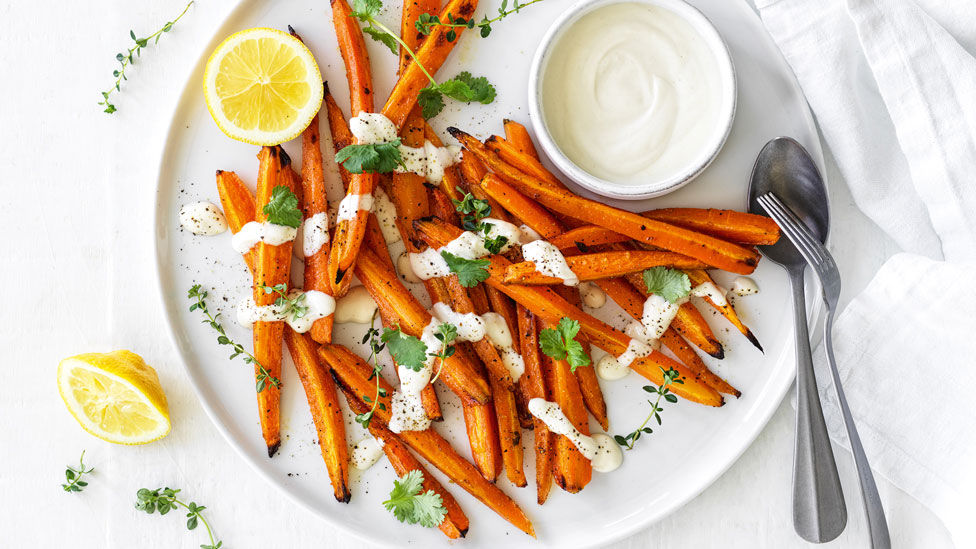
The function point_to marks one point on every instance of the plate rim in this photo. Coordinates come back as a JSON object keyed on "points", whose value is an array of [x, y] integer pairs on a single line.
{"points": [[814, 312]]}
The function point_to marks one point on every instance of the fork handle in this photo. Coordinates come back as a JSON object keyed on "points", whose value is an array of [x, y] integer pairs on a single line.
{"points": [[819, 511], [877, 525]]}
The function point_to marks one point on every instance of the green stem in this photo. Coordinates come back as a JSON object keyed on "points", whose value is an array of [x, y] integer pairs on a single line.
{"points": [[199, 516], [404, 45], [654, 410], [489, 21]]}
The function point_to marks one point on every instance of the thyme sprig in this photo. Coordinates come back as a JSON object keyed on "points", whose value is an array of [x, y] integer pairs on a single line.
{"points": [[375, 347], [264, 377], [128, 59], [73, 476], [164, 500], [670, 377], [289, 307], [446, 333], [427, 21]]}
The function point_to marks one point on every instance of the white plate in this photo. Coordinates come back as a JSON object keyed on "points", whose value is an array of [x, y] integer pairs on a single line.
{"points": [[695, 445]]}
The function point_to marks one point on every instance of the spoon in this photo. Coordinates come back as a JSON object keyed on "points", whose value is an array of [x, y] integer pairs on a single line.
{"points": [[784, 168]]}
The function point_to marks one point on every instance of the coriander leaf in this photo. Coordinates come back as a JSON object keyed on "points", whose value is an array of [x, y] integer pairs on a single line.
{"points": [[446, 333], [481, 90], [409, 505], [559, 344], [671, 284], [282, 209], [407, 350], [383, 38], [469, 271], [431, 102], [364, 10], [372, 158]]}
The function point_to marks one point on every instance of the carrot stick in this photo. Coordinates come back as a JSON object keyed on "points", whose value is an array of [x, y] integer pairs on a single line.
{"points": [[741, 227], [513, 155], [326, 414], [588, 383], [533, 385], [587, 236], [517, 135], [338, 126], [412, 9], [522, 207], [352, 373], [430, 56], [550, 307], [481, 425], [409, 194], [712, 251], [599, 265], [700, 276]]}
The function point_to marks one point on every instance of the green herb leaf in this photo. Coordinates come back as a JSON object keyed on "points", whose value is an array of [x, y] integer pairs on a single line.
{"points": [[479, 209], [374, 158], [470, 272], [407, 350], [670, 377], [74, 476], [495, 244], [164, 500], [431, 102], [282, 209], [671, 284], [364, 10], [409, 505], [383, 38], [467, 88], [559, 343]]}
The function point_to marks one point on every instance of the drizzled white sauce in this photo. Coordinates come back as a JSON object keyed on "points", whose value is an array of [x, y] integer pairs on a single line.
{"points": [[366, 453], [609, 369], [428, 161], [406, 270], [352, 204], [528, 235], [602, 451], [202, 218], [658, 314], [430, 264], [386, 215], [269, 233], [315, 233], [371, 128], [549, 261], [593, 296], [744, 285], [318, 305], [635, 349], [497, 332], [712, 292], [408, 413], [357, 307], [470, 327]]}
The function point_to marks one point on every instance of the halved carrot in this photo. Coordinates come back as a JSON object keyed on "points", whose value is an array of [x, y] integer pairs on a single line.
{"points": [[533, 385], [588, 383], [481, 425], [393, 300], [323, 402], [710, 250], [741, 227], [452, 177], [587, 236], [599, 265], [412, 10], [237, 202], [522, 207], [409, 194], [352, 373], [431, 56], [700, 276], [517, 135], [550, 307], [513, 155], [338, 126]]}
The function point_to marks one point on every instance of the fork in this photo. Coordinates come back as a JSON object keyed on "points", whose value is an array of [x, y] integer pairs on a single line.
{"points": [[823, 264]]}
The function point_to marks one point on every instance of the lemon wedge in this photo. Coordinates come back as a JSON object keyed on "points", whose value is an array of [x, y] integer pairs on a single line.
{"points": [[262, 86], [115, 396]]}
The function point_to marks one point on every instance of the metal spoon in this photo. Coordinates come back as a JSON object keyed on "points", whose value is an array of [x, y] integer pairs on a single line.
{"points": [[785, 168]]}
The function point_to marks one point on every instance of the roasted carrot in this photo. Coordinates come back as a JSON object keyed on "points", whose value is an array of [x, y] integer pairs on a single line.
{"points": [[741, 227], [409, 194], [237, 202], [338, 126], [700, 276], [522, 207], [326, 414], [598, 265], [462, 377], [586, 376], [550, 307], [571, 470], [430, 56], [533, 385], [452, 177], [481, 426], [517, 135], [352, 373], [455, 524], [412, 10], [711, 251], [587, 236], [513, 155]]}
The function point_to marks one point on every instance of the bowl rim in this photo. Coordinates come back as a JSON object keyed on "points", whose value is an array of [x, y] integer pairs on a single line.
{"points": [[726, 67]]}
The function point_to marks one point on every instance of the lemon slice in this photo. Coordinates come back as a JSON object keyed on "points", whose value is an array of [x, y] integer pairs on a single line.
{"points": [[115, 396], [262, 86]]}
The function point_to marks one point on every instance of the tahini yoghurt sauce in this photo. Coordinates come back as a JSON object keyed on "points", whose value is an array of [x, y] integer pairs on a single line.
{"points": [[632, 93]]}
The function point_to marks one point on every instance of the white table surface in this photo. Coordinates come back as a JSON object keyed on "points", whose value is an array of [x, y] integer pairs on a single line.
{"points": [[78, 195]]}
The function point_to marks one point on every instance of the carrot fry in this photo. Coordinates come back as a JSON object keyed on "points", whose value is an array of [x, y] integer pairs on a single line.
{"points": [[237, 201], [394, 301], [533, 385], [352, 373], [522, 207], [326, 414], [550, 307], [412, 9], [481, 425], [710, 250], [741, 227], [338, 127], [517, 135], [599, 265], [513, 155], [588, 382], [430, 56], [587, 236], [700, 276]]}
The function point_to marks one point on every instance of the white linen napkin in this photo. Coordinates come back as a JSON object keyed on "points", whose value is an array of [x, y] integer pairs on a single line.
{"points": [[893, 86]]}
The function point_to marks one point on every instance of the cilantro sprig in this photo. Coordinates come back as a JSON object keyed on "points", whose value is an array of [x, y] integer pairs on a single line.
{"points": [[282, 209], [406, 350], [670, 378], [559, 343], [671, 284], [474, 210], [73, 476], [164, 500], [370, 157], [412, 506], [470, 272], [264, 377], [375, 347], [464, 87], [427, 21]]}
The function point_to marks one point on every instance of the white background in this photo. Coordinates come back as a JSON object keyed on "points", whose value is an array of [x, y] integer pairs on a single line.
{"points": [[78, 189]]}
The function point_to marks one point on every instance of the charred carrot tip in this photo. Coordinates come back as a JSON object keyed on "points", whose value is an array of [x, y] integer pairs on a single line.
{"points": [[755, 341], [719, 354], [273, 449]]}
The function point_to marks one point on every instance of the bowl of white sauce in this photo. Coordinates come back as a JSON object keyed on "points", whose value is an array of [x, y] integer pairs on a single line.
{"points": [[632, 98]]}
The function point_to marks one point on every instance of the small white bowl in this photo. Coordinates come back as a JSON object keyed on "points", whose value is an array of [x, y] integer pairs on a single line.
{"points": [[709, 149]]}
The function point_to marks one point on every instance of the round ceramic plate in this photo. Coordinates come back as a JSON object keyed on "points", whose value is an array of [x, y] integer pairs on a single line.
{"points": [[694, 446]]}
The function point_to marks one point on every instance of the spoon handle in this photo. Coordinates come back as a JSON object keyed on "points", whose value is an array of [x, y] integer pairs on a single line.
{"points": [[819, 511], [877, 525]]}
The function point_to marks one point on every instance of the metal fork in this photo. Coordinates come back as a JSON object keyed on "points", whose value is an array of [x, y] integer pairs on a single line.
{"points": [[823, 264]]}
